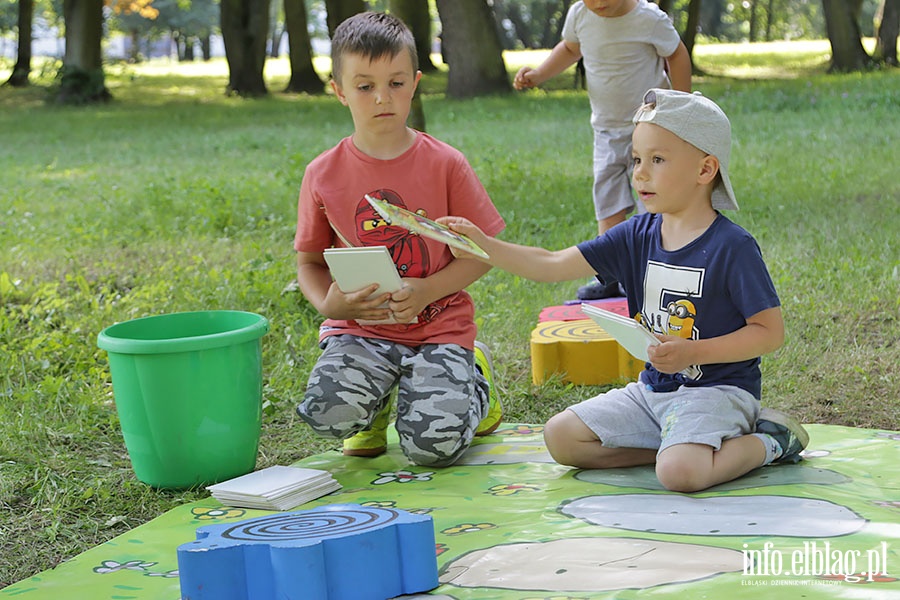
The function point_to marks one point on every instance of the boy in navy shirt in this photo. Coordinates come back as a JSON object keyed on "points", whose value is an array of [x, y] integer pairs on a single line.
{"points": [[697, 281]]}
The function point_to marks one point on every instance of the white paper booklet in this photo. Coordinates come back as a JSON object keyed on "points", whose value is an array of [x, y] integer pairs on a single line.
{"points": [[357, 267], [275, 488], [633, 336]]}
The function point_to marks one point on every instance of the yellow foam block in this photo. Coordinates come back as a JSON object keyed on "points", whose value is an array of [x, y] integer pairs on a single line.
{"points": [[581, 352]]}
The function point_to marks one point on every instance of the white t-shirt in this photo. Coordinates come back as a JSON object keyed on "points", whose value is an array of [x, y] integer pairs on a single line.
{"points": [[623, 58]]}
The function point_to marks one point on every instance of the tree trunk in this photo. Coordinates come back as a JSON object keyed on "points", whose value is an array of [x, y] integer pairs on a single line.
{"points": [[847, 52], [415, 14], [754, 34], [472, 48], [304, 78], [552, 34], [134, 53], [245, 25], [769, 20], [513, 12], [888, 31], [339, 10], [189, 48], [22, 68], [712, 24], [82, 79], [206, 48], [690, 31]]}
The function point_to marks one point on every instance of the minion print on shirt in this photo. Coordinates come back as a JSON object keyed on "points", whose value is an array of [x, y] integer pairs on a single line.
{"points": [[668, 307]]}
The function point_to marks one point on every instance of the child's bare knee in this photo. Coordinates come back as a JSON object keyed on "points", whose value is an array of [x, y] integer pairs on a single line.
{"points": [[559, 440], [680, 476]]}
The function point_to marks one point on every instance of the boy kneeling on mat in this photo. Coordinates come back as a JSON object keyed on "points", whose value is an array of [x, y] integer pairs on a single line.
{"points": [[696, 280]]}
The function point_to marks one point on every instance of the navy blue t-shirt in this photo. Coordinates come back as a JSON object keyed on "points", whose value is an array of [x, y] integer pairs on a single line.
{"points": [[703, 290]]}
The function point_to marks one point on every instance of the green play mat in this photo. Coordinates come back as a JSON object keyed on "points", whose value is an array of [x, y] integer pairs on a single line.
{"points": [[511, 524]]}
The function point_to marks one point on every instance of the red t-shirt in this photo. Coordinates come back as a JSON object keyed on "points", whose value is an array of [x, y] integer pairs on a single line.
{"points": [[431, 178]]}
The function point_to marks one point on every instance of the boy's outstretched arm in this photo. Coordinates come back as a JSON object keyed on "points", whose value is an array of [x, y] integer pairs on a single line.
{"points": [[763, 333], [529, 262], [679, 67], [564, 55]]}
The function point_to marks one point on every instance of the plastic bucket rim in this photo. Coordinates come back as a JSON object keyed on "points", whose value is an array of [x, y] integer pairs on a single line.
{"points": [[123, 345]]}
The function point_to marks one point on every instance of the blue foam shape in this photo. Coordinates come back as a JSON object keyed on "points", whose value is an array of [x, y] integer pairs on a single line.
{"points": [[335, 552]]}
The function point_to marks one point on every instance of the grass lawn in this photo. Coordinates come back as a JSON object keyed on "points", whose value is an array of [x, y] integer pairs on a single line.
{"points": [[174, 197]]}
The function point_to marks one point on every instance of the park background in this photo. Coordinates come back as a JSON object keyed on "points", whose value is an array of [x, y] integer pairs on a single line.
{"points": [[175, 189]]}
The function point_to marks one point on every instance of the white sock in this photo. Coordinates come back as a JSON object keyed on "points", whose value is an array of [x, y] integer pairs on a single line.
{"points": [[774, 451]]}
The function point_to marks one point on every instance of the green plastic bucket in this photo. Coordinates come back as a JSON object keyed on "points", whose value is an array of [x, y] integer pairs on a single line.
{"points": [[188, 390]]}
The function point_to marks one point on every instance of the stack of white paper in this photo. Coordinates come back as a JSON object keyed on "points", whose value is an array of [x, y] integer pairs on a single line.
{"points": [[274, 488]]}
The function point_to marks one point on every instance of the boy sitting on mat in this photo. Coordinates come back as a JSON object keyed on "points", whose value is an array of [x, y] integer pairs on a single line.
{"points": [[441, 376], [697, 281]]}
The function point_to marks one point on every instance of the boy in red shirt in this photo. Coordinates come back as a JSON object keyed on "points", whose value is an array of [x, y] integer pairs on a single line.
{"points": [[442, 377]]}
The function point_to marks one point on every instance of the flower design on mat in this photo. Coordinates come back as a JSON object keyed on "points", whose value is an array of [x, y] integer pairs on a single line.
{"points": [[402, 477], [167, 574], [508, 489], [468, 528], [379, 504], [520, 430], [213, 514], [440, 548], [420, 511], [113, 566]]}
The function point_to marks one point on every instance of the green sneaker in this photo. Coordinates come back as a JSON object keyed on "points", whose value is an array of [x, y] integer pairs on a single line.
{"points": [[495, 412], [786, 430], [371, 442]]}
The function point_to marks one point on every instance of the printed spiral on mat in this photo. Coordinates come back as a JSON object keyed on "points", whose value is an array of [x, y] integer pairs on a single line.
{"points": [[310, 524]]}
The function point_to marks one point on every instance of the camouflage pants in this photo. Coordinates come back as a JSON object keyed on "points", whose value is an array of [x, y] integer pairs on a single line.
{"points": [[441, 396]]}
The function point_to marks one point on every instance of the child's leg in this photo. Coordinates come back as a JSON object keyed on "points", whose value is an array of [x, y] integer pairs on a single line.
{"points": [[441, 399], [706, 436], [571, 443], [614, 429], [695, 467], [349, 385], [612, 194]]}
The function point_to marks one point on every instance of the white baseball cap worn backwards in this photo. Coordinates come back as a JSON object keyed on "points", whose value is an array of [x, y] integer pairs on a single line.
{"points": [[700, 122]]}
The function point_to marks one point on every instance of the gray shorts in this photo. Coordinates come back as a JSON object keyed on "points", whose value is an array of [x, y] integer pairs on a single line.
{"points": [[635, 417], [612, 172]]}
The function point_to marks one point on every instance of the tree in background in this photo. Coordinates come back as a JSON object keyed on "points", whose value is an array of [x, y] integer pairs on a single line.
{"points": [[471, 45], [842, 25], [22, 68], [339, 10], [530, 24], [245, 31], [81, 79], [187, 24], [417, 17], [304, 78], [887, 26]]}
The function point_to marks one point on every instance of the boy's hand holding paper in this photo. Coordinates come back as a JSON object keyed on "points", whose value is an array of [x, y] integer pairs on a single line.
{"points": [[358, 268]]}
